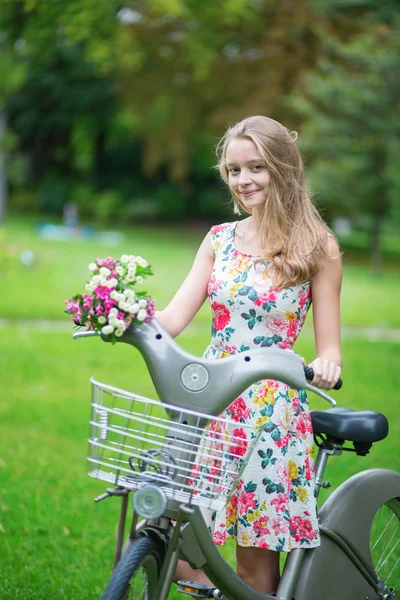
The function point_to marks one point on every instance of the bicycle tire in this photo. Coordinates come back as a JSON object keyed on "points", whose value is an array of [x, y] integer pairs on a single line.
{"points": [[385, 545], [137, 572]]}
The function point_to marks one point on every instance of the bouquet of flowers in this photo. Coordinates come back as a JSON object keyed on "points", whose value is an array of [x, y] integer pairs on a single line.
{"points": [[111, 304]]}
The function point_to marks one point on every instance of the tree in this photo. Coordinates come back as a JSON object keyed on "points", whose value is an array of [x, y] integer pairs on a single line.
{"points": [[12, 74], [351, 105]]}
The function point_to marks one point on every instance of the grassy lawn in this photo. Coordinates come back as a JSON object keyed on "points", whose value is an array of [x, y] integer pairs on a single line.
{"points": [[54, 541]]}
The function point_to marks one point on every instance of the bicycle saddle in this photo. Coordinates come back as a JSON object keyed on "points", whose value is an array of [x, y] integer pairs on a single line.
{"points": [[360, 426]]}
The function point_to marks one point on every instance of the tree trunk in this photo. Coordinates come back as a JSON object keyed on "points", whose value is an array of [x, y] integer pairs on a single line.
{"points": [[376, 242], [3, 167]]}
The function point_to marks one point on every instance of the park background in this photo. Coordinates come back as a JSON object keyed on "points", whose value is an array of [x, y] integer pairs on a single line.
{"points": [[109, 112]]}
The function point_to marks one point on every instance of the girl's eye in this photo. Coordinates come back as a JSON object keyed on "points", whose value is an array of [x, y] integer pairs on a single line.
{"points": [[233, 170], [257, 167]]}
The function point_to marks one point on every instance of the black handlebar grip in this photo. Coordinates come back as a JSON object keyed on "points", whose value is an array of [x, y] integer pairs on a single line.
{"points": [[309, 373]]}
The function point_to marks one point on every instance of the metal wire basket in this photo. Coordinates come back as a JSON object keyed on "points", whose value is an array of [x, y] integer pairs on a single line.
{"points": [[195, 458]]}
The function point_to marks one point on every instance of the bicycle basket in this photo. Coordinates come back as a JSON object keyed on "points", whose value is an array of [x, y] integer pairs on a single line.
{"points": [[195, 458]]}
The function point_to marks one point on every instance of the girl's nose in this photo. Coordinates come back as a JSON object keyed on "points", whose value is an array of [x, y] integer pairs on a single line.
{"points": [[244, 176]]}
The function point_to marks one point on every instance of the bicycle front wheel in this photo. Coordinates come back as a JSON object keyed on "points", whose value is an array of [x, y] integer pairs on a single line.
{"points": [[385, 545], [136, 575]]}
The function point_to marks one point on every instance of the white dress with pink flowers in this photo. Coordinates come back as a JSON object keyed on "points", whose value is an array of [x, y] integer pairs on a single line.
{"points": [[273, 505]]}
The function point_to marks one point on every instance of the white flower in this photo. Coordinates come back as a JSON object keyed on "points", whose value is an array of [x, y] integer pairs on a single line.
{"points": [[129, 294], [119, 333], [142, 314], [120, 324], [92, 267], [139, 279], [113, 311], [142, 303], [124, 306], [113, 321], [119, 270], [130, 278], [132, 268], [112, 282], [90, 287], [114, 296], [132, 258], [143, 262], [107, 329], [102, 319], [134, 308], [95, 280], [105, 272]]}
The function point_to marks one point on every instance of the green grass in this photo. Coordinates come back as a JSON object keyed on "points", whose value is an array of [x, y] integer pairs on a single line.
{"points": [[60, 269], [55, 542]]}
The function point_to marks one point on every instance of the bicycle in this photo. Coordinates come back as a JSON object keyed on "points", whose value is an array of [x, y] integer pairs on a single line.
{"points": [[151, 448]]}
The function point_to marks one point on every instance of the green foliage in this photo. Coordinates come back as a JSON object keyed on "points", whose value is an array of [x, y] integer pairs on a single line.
{"points": [[350, 104], [132, 98]]}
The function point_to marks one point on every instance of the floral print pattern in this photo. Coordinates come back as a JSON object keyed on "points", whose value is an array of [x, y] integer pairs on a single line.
{"points": [[273, 504]]}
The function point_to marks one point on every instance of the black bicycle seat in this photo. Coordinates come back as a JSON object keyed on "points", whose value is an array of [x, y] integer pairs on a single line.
{"points": [[360, 426]]}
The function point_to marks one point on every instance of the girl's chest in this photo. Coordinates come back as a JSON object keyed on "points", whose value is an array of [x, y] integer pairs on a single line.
{"points": [[243, 282]]}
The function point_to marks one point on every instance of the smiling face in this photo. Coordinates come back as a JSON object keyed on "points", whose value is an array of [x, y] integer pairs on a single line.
{"points": [[248, 177]]}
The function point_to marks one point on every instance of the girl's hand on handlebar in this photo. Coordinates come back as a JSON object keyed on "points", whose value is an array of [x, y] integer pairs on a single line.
{"points": [[326, 373]]}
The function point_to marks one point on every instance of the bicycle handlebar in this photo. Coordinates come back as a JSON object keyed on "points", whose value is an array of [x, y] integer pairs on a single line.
{"points": [[189, 382], [309, 373]]}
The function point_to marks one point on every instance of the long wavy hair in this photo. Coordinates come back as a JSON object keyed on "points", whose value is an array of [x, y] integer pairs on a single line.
{"points": [[291, 231]]}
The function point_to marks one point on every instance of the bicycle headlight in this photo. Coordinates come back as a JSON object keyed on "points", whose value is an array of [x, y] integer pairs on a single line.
{"points": [[149, 502]]}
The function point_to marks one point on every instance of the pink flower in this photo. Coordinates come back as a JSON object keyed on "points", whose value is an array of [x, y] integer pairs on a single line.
{"points": [[106, 262], [278, 324], [286, 344], [220, 538], [303, 296], [221, 316], [284, 441], [234, 502], [309, 469], [278, 525], [292, 329], [217, 228], [280, 502], [239, 409], [102, 292], [266, 297], [241, 446], [303, 425], [296, 404], [260, 526], [246, 501], [213, 284], [302, 528]]}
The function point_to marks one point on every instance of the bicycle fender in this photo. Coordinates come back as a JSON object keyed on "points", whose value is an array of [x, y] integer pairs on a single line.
{"points": [[327, 571]]}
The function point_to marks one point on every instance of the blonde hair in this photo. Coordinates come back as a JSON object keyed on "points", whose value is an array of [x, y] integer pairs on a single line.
{"points": [[291, 231]]}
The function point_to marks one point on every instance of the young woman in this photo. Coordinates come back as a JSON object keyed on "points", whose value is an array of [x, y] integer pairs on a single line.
{"points": [[260, 275]]}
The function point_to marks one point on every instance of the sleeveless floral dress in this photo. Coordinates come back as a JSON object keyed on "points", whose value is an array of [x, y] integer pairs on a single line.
{"points": [[273, 505]]}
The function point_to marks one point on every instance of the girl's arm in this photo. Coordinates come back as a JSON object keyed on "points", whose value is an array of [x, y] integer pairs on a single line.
{"points": [[192, 293], [325, 288]]}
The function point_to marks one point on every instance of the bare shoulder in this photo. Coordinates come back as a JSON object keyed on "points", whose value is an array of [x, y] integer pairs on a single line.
{"points": [[330, 269], [206, 244], [332, 248]]}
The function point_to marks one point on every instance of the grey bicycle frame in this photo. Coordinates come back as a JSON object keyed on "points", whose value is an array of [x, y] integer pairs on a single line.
{"points": [[192, 383]]}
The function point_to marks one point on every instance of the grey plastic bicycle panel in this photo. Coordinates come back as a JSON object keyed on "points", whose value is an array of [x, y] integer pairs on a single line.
{"points": [[208, 386], [348, 512]]}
